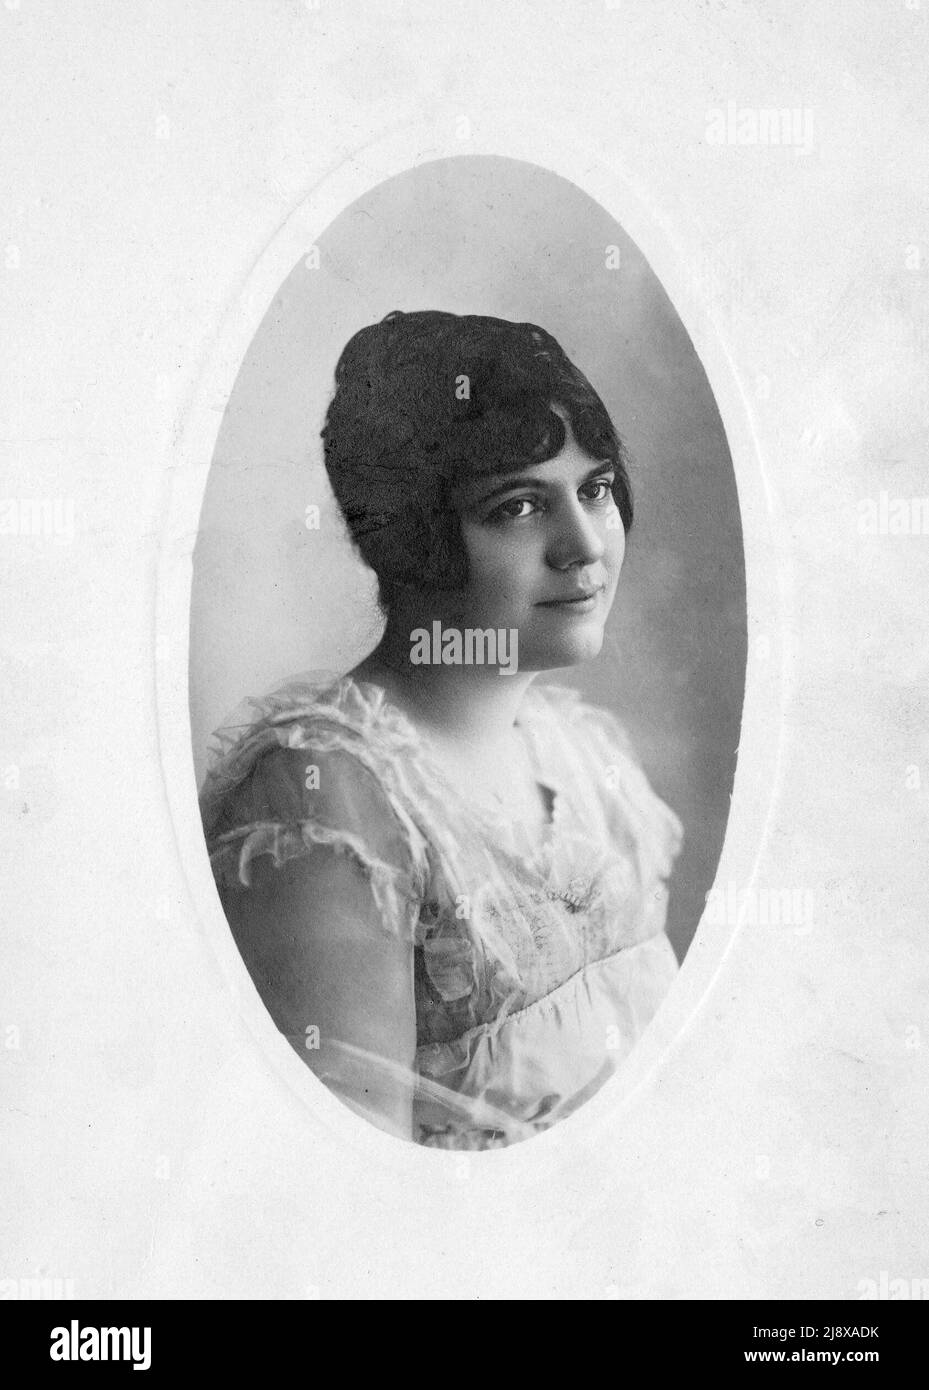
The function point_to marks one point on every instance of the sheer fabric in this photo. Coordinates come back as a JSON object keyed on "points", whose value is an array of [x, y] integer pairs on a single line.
{"points": [[538, 960]]}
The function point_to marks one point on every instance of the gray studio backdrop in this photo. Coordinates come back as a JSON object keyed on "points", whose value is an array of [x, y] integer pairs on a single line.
{"points": [[492, 236]]}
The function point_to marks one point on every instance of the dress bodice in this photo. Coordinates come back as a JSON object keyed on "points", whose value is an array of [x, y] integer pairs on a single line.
{"points": [[538, 960]]}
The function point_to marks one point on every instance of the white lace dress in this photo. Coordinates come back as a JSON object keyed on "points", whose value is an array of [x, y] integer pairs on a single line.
{"points": [[537, 961]]}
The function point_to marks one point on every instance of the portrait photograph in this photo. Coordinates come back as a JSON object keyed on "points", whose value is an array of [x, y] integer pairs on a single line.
{"points": [[464, 755], [470, 547]]}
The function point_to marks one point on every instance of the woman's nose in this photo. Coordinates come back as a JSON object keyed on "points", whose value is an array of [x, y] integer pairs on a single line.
{"points": [[575, 539]]}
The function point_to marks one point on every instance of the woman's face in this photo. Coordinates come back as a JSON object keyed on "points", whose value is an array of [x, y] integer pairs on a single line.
{"points": [[536, 540]]}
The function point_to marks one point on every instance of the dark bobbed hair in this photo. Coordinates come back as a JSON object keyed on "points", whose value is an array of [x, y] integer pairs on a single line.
{"points": [[403, 428]]}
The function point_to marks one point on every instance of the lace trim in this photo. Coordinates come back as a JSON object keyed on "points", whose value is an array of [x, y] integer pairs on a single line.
{"points": [[397, 898]]}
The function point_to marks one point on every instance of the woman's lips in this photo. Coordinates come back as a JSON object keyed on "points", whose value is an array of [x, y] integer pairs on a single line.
{"points": [[580, 602]]}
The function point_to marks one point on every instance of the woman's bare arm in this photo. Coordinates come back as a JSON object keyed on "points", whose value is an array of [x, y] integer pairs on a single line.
{"points": [[311, 935]]}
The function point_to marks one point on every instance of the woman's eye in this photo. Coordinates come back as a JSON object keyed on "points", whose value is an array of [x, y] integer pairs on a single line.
{"points": [[520, 508], [603, 489], [510, 511]]}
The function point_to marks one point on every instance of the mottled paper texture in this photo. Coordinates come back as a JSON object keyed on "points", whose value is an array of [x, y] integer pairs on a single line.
{"points": [[165, 170]]}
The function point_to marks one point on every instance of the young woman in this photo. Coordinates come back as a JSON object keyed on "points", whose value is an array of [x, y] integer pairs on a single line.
{"points": [[447, 881]]}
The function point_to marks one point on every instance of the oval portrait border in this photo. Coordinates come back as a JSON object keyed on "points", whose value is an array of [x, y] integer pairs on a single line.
{"points": [[758, 763]]}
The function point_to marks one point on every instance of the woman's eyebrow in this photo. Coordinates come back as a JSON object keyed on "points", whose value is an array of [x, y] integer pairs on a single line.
{"points": [[531, 480]]}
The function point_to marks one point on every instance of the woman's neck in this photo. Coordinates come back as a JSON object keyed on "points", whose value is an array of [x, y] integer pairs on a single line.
{"points": [[469, 705]]}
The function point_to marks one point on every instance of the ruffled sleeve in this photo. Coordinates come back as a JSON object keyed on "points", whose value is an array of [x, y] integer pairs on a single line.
{"points": [[298, 784]]}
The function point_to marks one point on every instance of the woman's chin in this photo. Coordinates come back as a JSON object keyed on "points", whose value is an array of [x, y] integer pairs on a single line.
{"points": [[569, 650]]}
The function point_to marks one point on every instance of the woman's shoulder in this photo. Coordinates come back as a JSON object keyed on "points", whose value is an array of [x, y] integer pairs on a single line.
{"points": [[315, 711], [314, 698], [590, 748], [588, 729], [311, 762]]}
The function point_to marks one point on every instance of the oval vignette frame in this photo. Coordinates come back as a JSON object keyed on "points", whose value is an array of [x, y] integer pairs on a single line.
{"points": [[758, 763]]}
